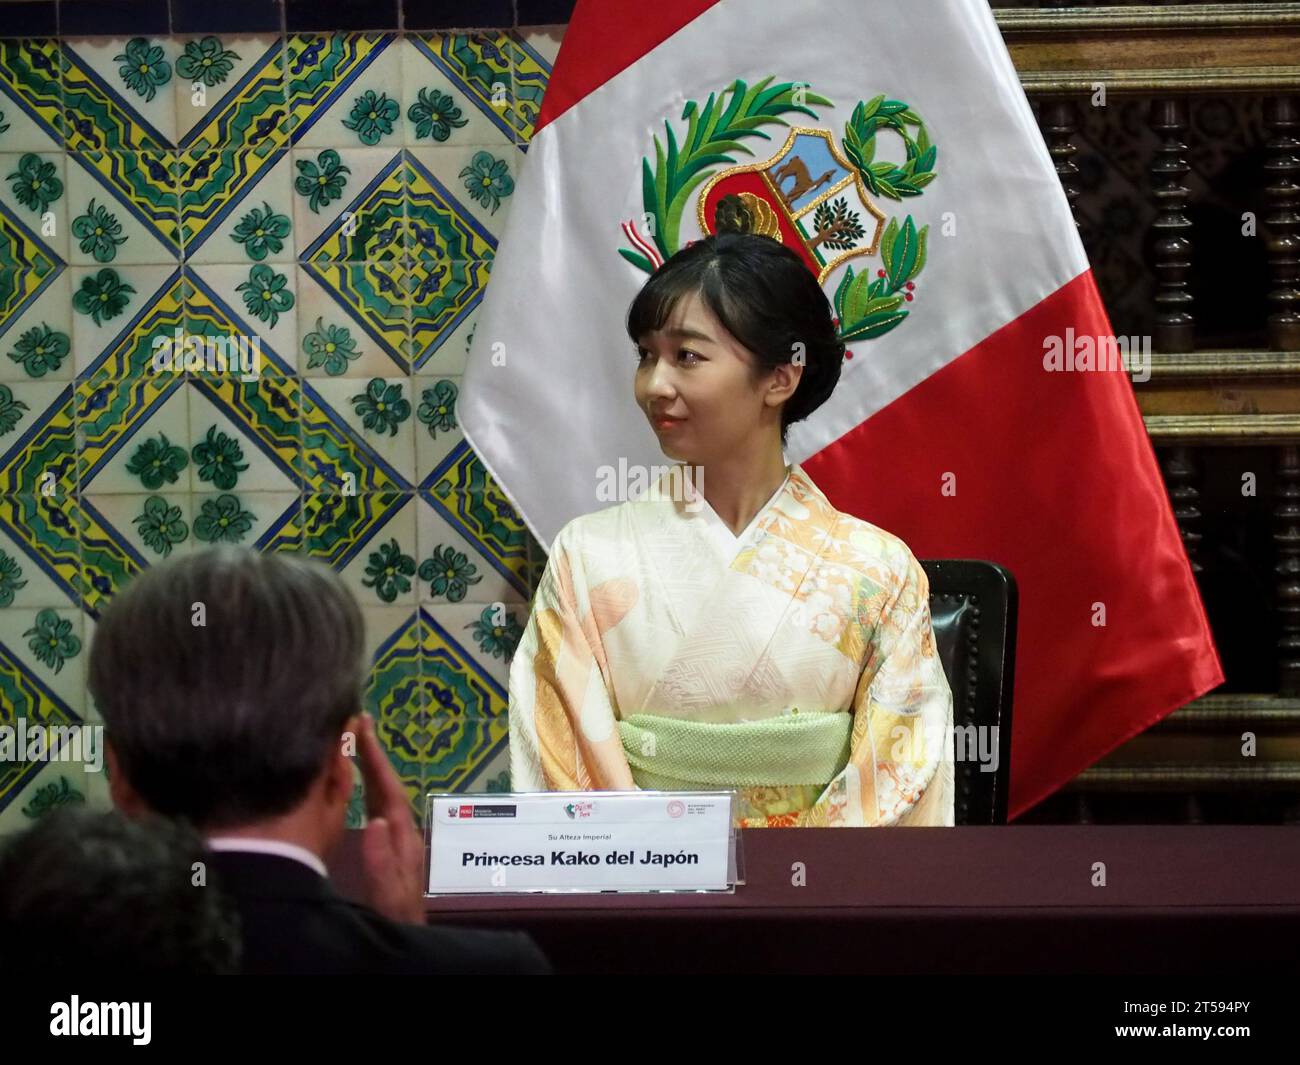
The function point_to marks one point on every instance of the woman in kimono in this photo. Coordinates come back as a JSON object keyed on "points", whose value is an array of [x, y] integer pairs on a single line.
{"points": [[730, 628]]}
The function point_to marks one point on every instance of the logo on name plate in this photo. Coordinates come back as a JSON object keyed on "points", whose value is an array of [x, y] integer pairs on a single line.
{"points": [[676, 808], [579, 810], [467, 810]]}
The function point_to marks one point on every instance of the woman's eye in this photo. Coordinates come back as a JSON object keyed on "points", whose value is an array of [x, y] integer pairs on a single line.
{"points": [[641, 354]]}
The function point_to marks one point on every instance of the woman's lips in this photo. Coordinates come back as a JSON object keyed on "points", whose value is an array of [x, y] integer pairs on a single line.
{"points": [[666, 423]]}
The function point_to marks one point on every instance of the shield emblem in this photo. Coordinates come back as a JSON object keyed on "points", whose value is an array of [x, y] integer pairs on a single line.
{"points": [[808, 196]]}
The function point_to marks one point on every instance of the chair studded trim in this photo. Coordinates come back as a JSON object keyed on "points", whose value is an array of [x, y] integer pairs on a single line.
{"points": [[973, 609]]}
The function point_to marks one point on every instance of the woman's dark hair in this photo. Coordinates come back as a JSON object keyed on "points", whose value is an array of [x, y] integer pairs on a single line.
{"points": [[765, 296]]}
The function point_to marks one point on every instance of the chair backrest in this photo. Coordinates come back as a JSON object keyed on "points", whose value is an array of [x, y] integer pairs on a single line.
{"points": [[973, 608]]}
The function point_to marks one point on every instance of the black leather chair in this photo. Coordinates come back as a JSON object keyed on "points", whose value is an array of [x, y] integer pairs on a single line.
{"points": [[973, 607]]}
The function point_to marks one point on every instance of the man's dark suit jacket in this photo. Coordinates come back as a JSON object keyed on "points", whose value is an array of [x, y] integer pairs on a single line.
{"points": [[294, 922]]}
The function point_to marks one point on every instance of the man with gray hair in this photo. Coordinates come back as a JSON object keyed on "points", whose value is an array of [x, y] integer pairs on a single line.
{"points": [[229, 682]]}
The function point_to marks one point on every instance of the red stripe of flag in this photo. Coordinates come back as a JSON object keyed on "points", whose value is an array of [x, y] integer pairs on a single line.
{"points": [[1056, 479], [602, 40]]}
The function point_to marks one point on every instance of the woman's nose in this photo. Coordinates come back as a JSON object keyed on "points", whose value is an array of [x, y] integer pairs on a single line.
{"points": [[660, 383]]}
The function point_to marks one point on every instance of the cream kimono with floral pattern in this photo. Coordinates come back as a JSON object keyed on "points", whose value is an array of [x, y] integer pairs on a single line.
{"points": [[795, 663]]}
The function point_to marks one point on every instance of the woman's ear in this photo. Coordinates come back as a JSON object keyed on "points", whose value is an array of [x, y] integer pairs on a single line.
{"points": [[785, 379]]}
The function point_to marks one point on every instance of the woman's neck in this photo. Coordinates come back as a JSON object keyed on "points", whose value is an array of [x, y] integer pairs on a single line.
{"points": [[738, 486]]}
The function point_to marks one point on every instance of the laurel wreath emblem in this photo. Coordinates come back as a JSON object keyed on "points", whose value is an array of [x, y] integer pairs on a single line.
{"points": [[867, 307]]}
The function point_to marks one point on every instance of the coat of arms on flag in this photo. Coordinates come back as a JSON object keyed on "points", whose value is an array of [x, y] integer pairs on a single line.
{"points": [[814, 195]]}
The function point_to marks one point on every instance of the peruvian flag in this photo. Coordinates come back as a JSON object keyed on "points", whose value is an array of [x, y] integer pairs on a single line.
{"points": [[891, 144]]}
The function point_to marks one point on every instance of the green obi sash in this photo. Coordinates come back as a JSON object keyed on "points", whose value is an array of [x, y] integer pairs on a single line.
{"points": [[800, 748]]}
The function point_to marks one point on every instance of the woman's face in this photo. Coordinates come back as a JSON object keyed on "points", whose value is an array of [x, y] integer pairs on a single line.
{"points": [[694, 384]]}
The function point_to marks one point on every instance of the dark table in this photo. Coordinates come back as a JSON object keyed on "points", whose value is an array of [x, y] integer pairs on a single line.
{"points": [[1177, 899]]}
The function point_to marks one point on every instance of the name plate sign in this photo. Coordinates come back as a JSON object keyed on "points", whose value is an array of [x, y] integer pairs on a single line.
{"points": [[581, 841]]}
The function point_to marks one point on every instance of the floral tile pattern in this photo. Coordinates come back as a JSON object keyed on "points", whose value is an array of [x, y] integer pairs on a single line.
{"points": [[238, 283]]}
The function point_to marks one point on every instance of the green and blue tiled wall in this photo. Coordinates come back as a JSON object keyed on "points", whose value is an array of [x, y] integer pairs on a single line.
{"points": [[338, 195]]}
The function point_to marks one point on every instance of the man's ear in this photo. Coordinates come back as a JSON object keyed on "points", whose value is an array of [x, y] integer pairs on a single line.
{"points": [[340, 775], [125, 797]]}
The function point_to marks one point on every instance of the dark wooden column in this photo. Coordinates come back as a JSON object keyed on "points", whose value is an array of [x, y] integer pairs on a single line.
{"points": [[1282, 221], [1174, 330], [1286, 536], [1182, 479], [1059, 123]]}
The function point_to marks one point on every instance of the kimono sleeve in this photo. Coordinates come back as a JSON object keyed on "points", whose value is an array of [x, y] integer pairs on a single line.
{"points": [[900, 765], [563, 731], [902, 742]]}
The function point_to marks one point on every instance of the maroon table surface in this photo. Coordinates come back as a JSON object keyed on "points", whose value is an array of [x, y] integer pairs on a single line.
{"points": [[1176, 899]]}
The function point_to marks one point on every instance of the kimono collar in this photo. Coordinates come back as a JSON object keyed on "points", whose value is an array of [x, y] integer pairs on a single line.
{"points": [[673, 485]]}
